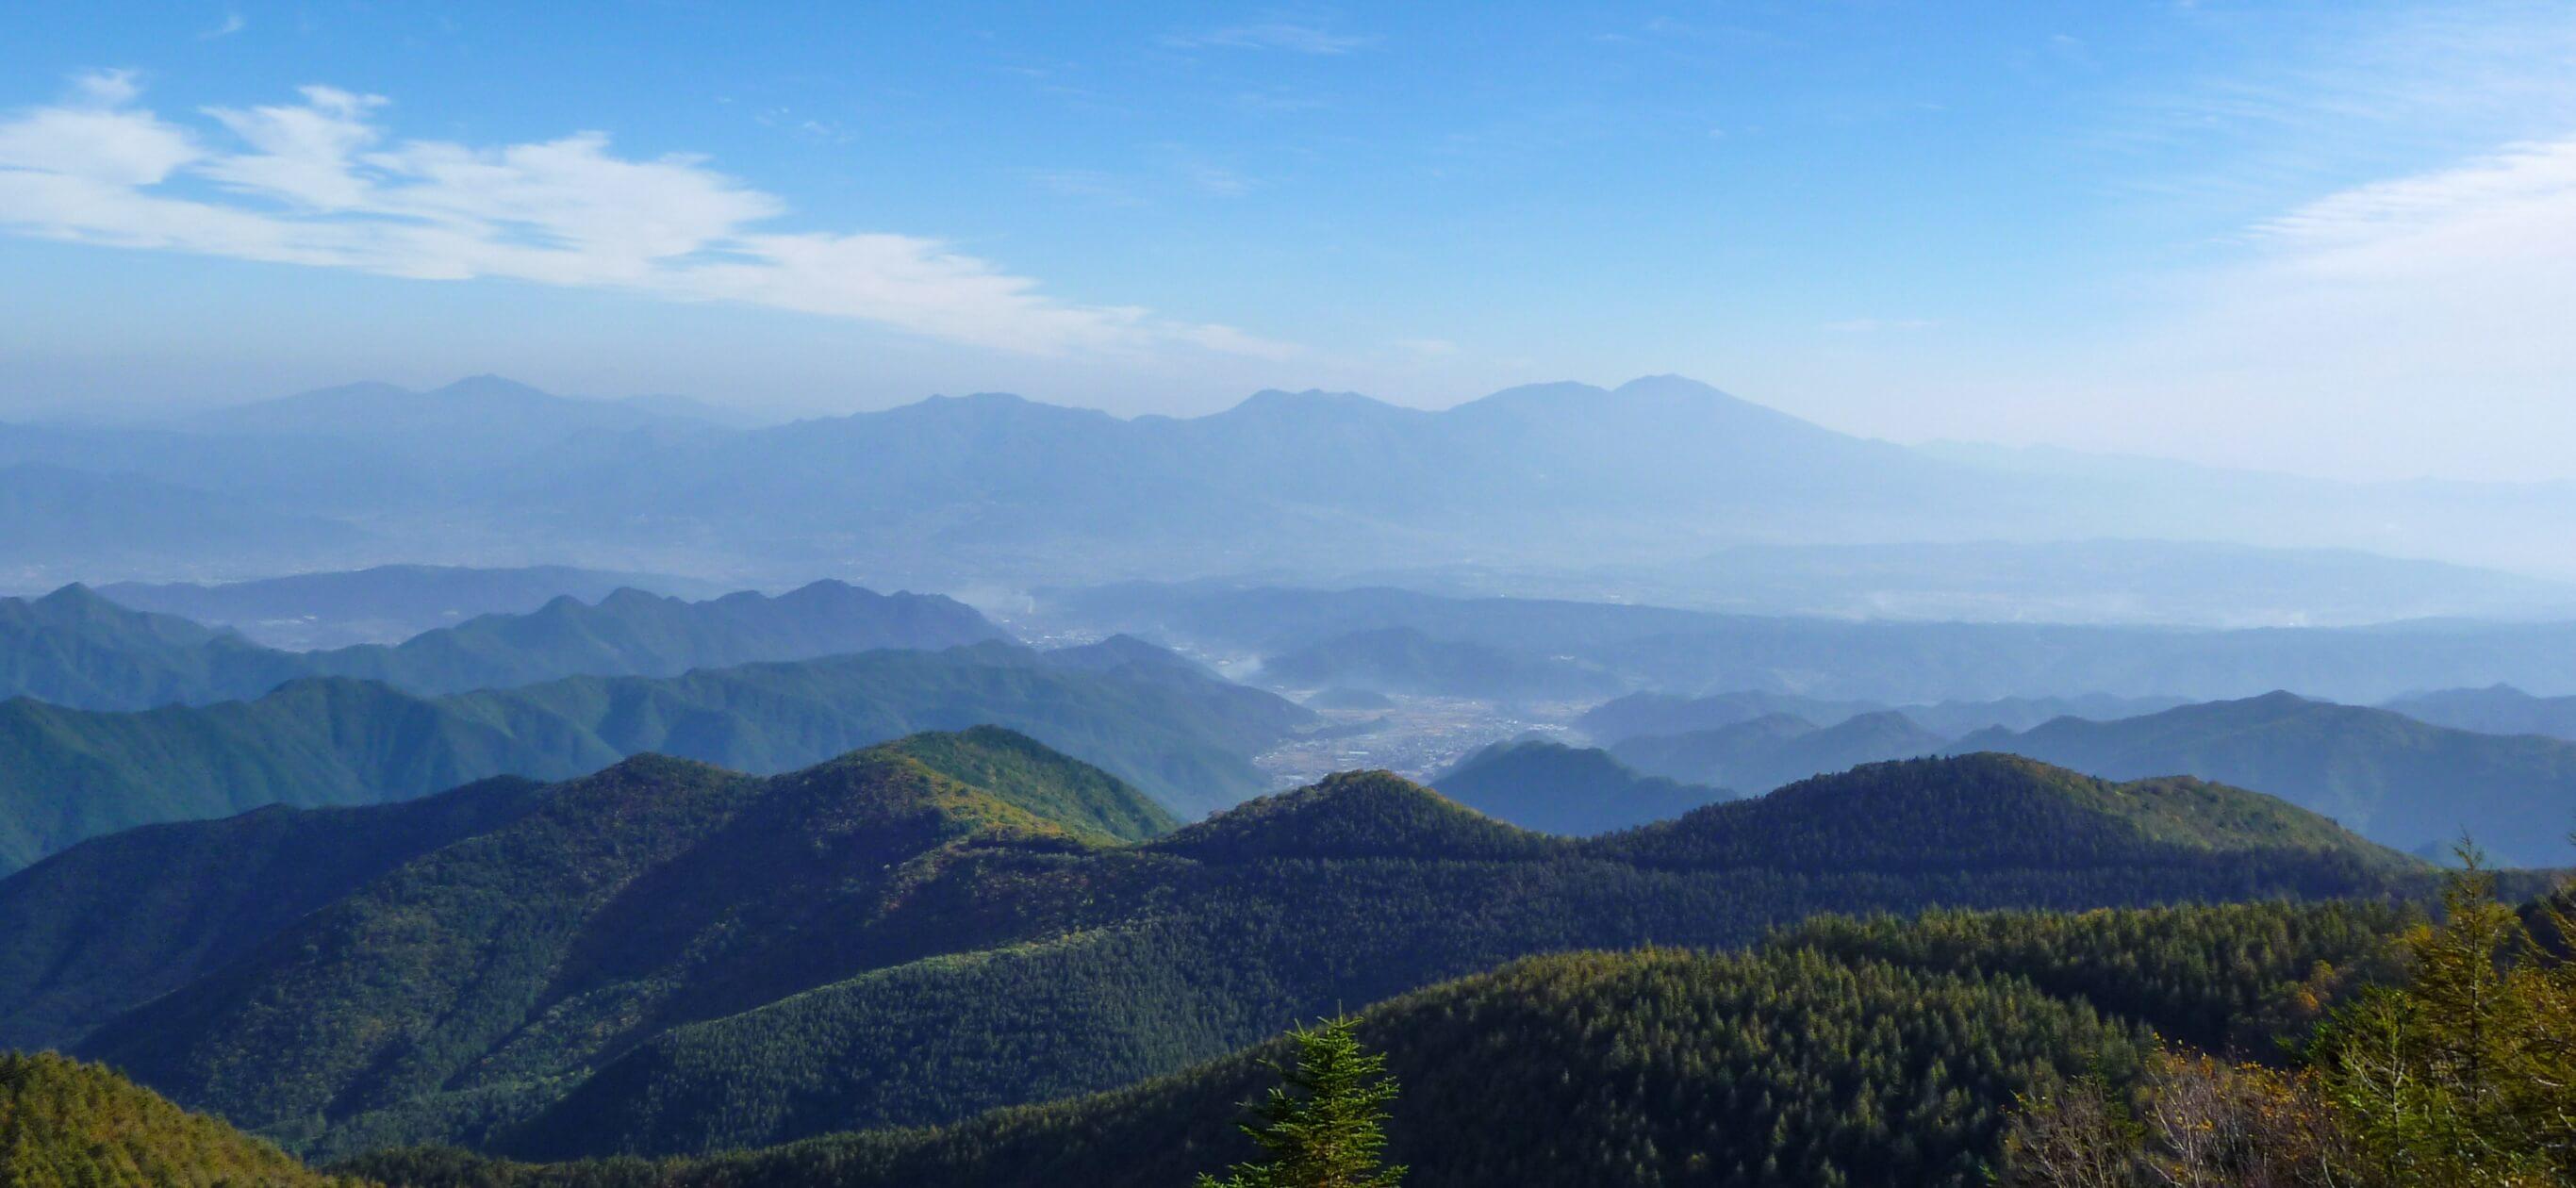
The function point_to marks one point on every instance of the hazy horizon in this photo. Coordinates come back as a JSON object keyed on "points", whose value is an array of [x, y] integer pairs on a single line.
{"points": [[2310, 239]]}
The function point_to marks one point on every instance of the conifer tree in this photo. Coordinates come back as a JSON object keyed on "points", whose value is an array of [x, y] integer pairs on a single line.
{"points": [[1324, 1125]]}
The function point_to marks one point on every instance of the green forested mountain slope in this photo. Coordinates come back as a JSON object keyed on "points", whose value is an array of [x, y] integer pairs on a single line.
{"points": [[64, 1124], [72, 647], [1572, 791], [653, 892], [672, 958], [76, 648], [1846, 1052], [119, 920], [1996, 812], [2397, 780], [70, 774]]}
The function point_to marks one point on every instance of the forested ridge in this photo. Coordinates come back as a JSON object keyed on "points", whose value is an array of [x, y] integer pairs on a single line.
{"points": [[670, 958], [66, 774], [1847, 1051]]}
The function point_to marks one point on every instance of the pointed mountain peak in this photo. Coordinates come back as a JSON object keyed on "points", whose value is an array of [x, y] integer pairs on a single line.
{"points": [[1355, 814]]}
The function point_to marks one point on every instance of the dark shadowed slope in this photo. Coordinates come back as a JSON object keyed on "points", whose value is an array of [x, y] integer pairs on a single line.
{"points": [[2387, 776], [1554, 788], [1851, 1051], [119, 920]]}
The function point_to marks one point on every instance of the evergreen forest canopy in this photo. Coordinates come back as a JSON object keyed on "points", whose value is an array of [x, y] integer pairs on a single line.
{"points": [[681, 959]]}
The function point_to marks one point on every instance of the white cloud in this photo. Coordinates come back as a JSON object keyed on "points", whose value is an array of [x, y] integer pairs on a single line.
{"points": [[318, 183], [2407, 326], [233, 23], [1273, 35]]}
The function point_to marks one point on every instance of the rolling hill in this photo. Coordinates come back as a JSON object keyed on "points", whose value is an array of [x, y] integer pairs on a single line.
{"points": [[1571, 791], [670, 957], [2387, 776], [69, 774]]}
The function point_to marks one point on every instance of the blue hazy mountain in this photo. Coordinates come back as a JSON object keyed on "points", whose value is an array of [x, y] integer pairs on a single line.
{"points": [[76, 648], [382, 604]]}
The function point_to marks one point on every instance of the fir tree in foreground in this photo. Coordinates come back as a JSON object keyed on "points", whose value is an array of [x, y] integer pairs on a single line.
{"points": [[1324, 1126]]}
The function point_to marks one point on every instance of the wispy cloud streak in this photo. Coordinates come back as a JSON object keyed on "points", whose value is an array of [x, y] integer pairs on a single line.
{"points": [[317, 182]]}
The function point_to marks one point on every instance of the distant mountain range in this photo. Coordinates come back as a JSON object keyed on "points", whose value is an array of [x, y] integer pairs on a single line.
{"points": [[668, 957], [1777, 749], [1641, 714], [75, 648], [2496, 709], [1887, 664], [65, 774], [1565, 483], [386, 604]]}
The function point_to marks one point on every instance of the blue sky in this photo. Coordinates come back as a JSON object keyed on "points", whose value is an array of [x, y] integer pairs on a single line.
{"points": [[2336, 238]]}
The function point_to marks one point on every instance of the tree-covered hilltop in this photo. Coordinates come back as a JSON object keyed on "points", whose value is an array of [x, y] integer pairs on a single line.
{"points": [[1573, 791], [2398, 780], [655, 891], [1184, 736], [1994, 812], [671, 958], [65, 1124], [76, 648], [1846, 1052]]}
